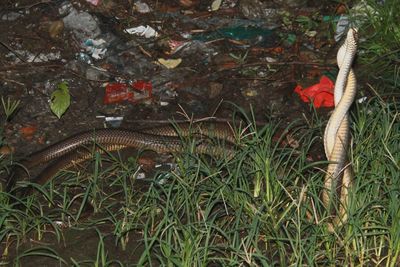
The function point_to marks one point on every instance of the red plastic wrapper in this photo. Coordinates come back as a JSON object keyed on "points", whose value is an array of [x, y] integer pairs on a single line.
{"points": [[143, 86], [321, 94], [119, 92]]}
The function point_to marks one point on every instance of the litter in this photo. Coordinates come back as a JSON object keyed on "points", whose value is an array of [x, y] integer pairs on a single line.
{"points": [[145, 31], [118, 92], [96, 48], [321, 94], [252, 35]]}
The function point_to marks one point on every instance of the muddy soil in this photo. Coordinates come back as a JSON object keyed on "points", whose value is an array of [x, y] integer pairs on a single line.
{"points": [[39, 50]]}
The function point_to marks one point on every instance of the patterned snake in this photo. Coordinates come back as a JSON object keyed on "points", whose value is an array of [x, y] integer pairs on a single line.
{"points": [[337, 132], [162, 139]]}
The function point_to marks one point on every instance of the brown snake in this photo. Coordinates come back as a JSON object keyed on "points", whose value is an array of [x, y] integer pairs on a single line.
{"points": [[337, 132], [163, 139]]}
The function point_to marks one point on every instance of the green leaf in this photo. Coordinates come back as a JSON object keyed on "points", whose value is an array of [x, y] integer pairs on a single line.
{"points": [[60, 99]]}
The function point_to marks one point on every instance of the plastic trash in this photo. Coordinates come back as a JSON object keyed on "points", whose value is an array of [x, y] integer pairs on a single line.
{"points": [[31, 57], [175, 46], [84, 58], [321, 94], [113, 121], [95, 47], [119, 92], [145, 31], [256, 35]]}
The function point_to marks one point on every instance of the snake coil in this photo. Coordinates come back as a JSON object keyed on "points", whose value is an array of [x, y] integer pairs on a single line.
{"points": [[337, 131]]}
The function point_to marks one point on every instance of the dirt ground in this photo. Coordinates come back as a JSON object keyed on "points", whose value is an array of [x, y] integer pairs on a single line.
{"points": [[39, 49]]}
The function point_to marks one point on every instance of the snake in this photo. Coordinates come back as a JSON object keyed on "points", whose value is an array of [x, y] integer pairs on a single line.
{"points": [[337, 131], [161, 139]]}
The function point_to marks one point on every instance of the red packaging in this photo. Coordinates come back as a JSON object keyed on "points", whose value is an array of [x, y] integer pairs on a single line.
{"points": [[321, 94], [119, 92]]}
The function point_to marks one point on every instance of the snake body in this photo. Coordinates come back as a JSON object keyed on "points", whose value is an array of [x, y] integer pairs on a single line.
{"points": [[337, 131], [162, 139]]}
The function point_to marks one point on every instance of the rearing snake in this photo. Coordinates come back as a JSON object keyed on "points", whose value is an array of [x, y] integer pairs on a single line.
{"points": [[337, 132]]}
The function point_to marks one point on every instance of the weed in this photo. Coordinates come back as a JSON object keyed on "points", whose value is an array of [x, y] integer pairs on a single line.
{"points": [[9, 107], [261, 207], [380, 43]]}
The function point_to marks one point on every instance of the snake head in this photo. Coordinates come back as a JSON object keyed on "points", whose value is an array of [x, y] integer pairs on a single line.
{"points": [[348, 49]]}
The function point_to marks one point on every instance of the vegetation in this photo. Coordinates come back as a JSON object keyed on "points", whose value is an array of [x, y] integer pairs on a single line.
{"points": [[204, 211], [380, 43], [260, 208]]}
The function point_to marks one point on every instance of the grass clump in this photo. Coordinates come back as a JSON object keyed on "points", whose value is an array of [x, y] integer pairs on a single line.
{"points": [[260, 208], [379, 49]]}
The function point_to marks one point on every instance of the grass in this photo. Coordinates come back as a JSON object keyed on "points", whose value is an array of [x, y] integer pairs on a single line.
{"points": [[262, 208], [379, 51], [9, 107]]}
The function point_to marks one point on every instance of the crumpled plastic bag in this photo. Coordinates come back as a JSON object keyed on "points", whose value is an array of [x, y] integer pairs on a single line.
{"points": [[118, 92], [321, 94]]}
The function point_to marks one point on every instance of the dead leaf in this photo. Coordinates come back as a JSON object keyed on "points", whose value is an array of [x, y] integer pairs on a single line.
{"points": [[27, 132]]}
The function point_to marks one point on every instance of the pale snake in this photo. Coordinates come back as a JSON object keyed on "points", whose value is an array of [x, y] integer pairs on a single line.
{"points": [[337, 132]]}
